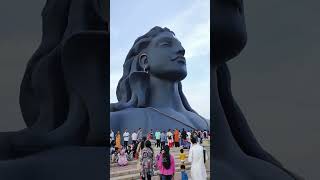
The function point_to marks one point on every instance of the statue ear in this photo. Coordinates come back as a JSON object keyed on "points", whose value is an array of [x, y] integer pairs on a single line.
{"points": [[143, 61]]}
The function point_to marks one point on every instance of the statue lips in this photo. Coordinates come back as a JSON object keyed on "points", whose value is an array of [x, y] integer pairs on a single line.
{"points": [[180, 59]]}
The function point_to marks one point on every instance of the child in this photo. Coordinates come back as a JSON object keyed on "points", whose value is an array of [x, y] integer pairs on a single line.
{"points": [[114, 157], [129, 153], [182, 156], [123, 161], [184, 175]]}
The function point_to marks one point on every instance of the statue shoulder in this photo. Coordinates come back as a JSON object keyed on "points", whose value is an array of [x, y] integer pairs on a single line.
{"points": [[125, 118], [125, 114]]}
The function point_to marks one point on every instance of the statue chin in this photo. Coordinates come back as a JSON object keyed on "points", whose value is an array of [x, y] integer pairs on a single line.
{"points": [[173, 75]]}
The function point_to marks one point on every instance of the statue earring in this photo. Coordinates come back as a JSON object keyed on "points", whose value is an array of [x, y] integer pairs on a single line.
{"points": [[145, 69], [145, 66]]}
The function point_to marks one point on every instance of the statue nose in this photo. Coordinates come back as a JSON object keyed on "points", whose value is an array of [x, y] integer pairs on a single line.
{"points": [[181, 51]]}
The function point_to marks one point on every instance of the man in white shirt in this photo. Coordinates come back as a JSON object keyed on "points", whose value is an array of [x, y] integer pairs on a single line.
{"points": [[134, 137], [197, 156], [188, 136], [111, 137], [126, 135]]}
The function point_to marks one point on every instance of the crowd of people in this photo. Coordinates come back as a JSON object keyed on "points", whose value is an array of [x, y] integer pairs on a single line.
{"points": [[138, 146], [173, 137]]}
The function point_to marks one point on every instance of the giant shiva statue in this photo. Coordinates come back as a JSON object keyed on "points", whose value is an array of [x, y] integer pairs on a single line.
{"points": [[150, 90]]}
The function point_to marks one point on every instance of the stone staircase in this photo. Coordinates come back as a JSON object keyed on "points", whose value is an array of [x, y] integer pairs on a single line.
{"points": [[130, 172]]}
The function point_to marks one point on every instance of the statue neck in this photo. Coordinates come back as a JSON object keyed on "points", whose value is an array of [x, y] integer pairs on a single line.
{"points": [[164, 94]]}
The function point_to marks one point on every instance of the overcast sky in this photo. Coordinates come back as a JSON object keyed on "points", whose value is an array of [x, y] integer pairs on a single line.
{"points": [[189, 19]]}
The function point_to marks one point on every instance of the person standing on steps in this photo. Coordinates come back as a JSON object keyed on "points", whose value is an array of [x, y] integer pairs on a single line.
{"points": [[170, 138], [126, 136], [118, 140], [111, 137], [134, 137], [197, 160], [176, 138], [147, 161], [157, 136], [163, 139], [139, 134], [183, 137], [166, 164]]}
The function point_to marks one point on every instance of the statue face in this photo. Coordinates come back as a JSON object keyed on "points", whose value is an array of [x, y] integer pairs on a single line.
{"points": [[229, 36], [165, 56]]}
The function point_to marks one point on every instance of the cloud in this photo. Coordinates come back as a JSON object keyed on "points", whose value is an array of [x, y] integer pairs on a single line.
{"points": [[114, 78], [198, 41], [198, 96], [193, 24]]}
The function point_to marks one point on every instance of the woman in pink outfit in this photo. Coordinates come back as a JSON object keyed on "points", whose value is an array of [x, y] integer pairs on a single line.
{"points": [[166, 164], [123, 161]]}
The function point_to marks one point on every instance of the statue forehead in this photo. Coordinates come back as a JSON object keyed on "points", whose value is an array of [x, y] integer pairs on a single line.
{"points": [[163, 36]]}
